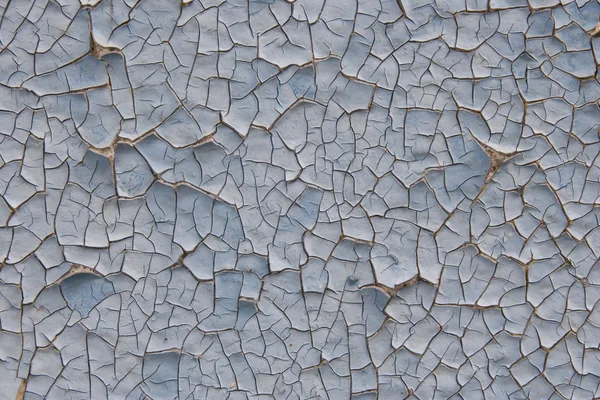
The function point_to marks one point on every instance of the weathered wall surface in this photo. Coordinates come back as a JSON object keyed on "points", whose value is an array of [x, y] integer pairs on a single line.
{"points": [[233, 199]]}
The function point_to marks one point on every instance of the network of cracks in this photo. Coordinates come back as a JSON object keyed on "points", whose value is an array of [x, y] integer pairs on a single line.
{"points": [[317, 199]]}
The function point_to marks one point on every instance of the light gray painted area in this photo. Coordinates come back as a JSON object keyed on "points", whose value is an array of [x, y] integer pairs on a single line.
{"points": [[303, 199]]}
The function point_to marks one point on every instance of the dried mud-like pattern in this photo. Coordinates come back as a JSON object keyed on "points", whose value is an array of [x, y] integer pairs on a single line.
{"points": [[309, 199]]}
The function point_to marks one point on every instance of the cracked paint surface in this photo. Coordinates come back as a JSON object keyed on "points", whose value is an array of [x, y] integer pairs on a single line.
{"points": [[317, 199]]}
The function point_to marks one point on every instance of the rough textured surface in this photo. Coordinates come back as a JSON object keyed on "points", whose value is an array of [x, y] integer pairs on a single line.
{"points": [[262, 199]]}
